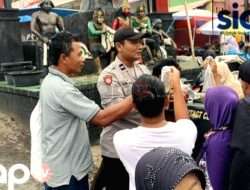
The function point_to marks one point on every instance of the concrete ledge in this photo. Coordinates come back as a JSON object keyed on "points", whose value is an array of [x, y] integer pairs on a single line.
{"points": [[18, 102]]}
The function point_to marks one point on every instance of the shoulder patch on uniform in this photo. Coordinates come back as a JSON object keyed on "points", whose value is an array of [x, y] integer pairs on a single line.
{"points": [[107, 79]]}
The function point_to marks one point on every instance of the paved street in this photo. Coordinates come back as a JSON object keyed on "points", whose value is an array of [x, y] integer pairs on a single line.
{"points": [[14, 149]]}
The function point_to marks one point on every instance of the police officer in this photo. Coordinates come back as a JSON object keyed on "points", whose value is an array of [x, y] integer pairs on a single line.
{"points": [[114, 84]]}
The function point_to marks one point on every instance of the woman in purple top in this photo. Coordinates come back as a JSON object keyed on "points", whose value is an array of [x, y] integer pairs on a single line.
{"points": [[220, 105]]}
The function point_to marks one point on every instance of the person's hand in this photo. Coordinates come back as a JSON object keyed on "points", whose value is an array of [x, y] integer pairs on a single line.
{"points": [[212, 64], [185, 91], [205, 64], [208, 61], [174, 77]]}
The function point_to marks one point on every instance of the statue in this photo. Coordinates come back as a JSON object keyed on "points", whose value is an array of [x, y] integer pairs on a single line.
{"points": [[141, 22], [100, 37], [44, 23], [123, 17], [162, 38]]}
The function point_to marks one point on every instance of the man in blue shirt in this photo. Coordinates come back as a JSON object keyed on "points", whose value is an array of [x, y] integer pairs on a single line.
{"points": [[65, 112]]}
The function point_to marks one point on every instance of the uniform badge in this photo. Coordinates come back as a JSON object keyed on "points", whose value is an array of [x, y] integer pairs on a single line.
{"points": [[108, 79], [122, 67]]}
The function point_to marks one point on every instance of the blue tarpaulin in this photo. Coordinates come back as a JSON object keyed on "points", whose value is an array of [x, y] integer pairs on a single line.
{"points": [[25, 14]]}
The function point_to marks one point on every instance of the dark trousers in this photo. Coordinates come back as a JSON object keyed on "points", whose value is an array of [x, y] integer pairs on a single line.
{"points": [[240, 172], [112, 175], [74, 184], [98, 50]]}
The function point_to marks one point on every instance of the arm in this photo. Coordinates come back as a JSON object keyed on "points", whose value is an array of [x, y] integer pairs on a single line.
{"points": [[82, 107], [134, 23], [107, 28], [149, 25], [59, 23], [35, 28], [173, 43], [163, 33], [113, 112], [92, 29], [112, 94], [180, 107], [167, 36], [115, 24]]}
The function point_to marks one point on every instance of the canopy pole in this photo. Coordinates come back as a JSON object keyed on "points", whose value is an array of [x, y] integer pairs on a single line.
{"points": [[7, 4], [212, 17], [189, 30]]}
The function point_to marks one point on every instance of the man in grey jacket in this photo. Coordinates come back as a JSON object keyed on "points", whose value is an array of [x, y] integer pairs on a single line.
{"points": [[65, 112]]}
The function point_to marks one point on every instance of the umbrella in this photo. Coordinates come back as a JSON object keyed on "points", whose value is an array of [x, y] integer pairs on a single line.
{"points": [[211, 28], [181, 15]]}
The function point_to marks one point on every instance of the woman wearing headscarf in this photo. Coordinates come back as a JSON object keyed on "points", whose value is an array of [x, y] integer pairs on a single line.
{"points": [[232, 47], [168, 168], [220, 105], [218, 74]]}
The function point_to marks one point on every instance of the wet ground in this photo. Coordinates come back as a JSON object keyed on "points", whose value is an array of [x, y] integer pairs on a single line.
{"points": [[15, 149]]}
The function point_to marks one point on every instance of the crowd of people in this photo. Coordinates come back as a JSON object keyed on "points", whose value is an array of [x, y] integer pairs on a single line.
{"points": [[141, 148], [100, 35], [134, 123]]}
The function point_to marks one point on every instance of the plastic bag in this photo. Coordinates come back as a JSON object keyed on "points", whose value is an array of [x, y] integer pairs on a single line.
{"points": [[208, 79], [36, 149]]}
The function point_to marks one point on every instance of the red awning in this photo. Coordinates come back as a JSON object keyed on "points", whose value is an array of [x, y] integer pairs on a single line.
{"points": [[22, 4], [1, 3]]}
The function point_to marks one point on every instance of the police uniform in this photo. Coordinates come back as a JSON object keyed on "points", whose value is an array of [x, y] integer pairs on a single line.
{"points": [[114, 84]]}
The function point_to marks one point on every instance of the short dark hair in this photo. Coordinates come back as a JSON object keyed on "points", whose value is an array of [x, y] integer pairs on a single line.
{"points": [[244, 72], [148, 95], [61, 43], [165, 62], [127, 33], [208, 53]]}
